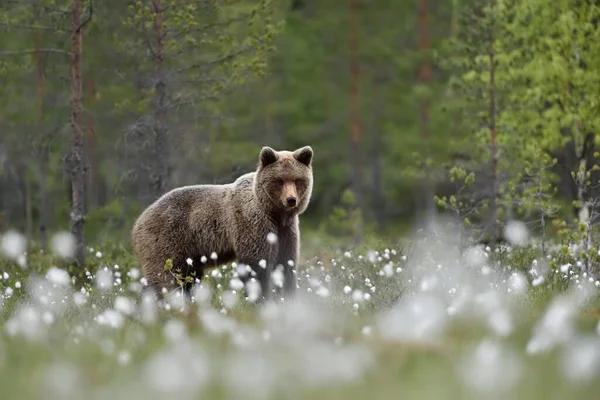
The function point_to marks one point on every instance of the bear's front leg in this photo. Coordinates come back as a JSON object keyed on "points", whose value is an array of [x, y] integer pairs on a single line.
{"points": [[261, 259], [262, 273], [287, 257]]}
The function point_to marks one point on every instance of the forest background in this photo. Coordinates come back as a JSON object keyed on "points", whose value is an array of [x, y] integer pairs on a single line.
{"points": [[485, 110], [479, 114]]}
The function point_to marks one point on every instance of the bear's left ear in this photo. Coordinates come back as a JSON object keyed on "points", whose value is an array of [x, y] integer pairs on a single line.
{"points": [[304, 155], [267, 156]]}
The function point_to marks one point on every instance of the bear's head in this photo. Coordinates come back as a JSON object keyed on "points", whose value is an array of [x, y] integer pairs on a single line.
{"points": [[284, 179]]}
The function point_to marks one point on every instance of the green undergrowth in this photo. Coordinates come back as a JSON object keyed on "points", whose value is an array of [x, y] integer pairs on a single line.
{"points": [[96, 360]]}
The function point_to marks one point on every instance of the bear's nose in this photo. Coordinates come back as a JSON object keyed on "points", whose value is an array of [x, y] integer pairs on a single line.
{"points": [[291, 201]]}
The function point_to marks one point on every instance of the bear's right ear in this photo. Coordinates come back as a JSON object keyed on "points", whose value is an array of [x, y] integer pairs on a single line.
{"points": [[267, 156], [304, 155]]}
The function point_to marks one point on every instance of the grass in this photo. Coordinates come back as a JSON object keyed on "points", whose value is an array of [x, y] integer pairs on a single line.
{"points": [[385, 320]]}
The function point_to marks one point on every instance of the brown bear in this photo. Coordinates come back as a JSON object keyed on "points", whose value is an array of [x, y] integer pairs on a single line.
{"points": [[253, 220]]}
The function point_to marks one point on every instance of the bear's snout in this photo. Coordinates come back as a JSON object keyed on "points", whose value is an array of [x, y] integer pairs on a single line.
{"points": [[289, 195], [291, 201]]}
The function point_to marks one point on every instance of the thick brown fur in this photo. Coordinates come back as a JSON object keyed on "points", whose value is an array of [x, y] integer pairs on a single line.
{"points": [[231, 220]]}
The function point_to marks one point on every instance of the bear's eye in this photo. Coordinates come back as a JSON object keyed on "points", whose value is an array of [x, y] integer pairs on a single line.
{"points": [[299, 182], [280, 182]]}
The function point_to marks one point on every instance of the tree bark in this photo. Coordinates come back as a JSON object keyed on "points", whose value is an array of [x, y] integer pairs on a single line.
{"points": [[583, 208], [43, 142], [425, 76], [76, 157], [161, 150], [493, 144], [28, 205], [356, 126]]}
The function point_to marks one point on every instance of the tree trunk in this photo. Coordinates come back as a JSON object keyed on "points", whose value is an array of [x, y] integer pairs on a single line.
{"points": [[161, 151], [355, 142], [28, 205], [43, 142], [425, 75], [493, 228], [44, 198], [583, 205], [76, 157]]}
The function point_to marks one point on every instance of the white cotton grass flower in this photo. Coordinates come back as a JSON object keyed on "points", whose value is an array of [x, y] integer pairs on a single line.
{"points": [[104, 279], [358, 296], [271, 238], [250, 374], [148, 311], [322, 291], [124, 305], [500, 321], [321, 364], [79, 299], [491, 305], [516, 233], [58, 276], [277, 276], [372, 256], [299, 318], [134, 273], [216, 323], [50, 293], [124, 358], [111, 318], [63, 244], [229, 299], [13, 244], [22, 260], [62, 380], [243, 270], [26, 322], [246, 337], [179, 370], [420, 317], [236, 284], [475, 256], [580, 359], [175, 331], [253, 290], [176, 299], [201, 293], [491, 367], [517, 283], [557, 325]]}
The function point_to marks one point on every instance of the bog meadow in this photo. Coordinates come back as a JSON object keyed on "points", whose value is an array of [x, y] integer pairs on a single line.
{"points": [[450, 249]]}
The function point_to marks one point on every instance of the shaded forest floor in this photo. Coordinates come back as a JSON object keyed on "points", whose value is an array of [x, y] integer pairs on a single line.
{"points": [[414, 318]]}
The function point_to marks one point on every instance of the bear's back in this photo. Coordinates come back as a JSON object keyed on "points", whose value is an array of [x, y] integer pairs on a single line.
{"points": [[194, 220]]}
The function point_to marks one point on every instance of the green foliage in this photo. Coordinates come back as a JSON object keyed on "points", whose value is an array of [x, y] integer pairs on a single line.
{"points": [[544, 97], [241, 74], [116, 217], [93, 333], [207, 49], [345, 219]]}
